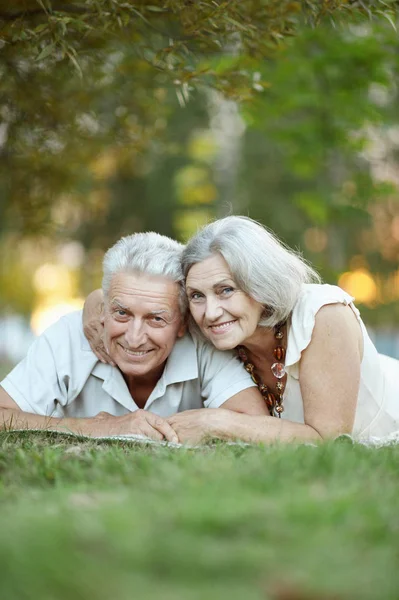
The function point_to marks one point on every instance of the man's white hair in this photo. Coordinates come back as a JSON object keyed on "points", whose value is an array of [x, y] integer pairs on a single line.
{"points": [[149, 253], [260, 264]]}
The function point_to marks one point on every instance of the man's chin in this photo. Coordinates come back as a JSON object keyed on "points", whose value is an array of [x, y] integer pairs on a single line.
{"points": [[140, 362], [144, 366]]}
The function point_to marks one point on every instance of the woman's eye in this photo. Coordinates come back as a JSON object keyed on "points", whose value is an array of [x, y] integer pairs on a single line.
{"points": [[226, 291], [121, 313], [195, 296]]}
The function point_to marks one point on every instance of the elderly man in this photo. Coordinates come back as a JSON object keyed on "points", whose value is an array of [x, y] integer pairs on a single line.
{"points": [[158, 370]]}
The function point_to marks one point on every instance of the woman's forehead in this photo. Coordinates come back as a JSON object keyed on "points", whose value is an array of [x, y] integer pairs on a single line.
{"points": [[209, 271]]}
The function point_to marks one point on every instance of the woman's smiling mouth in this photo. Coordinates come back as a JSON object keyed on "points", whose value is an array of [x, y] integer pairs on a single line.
{"points": [[222, 327]]}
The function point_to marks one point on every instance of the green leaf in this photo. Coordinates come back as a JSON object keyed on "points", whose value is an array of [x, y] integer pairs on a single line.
{"points": [[389, 18], [46, 51], [70, 53], [41, 28], [153, 8]]}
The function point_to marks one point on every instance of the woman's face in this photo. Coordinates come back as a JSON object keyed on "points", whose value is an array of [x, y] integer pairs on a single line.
{"points": [[226, 315]]}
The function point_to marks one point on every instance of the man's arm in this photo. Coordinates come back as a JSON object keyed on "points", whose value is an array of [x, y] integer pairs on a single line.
{"points": [[12, 417], [139, 422]]}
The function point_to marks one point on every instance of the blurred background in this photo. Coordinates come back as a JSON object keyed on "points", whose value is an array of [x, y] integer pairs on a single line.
{"points": [[137, 117]]}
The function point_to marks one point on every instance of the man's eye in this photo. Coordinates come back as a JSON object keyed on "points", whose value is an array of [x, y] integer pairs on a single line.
{"points": [[158, 320]]}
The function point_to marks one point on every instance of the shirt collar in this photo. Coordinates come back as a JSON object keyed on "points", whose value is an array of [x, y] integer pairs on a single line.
{"points": [[181, 366], [114, 384], [182, 361]]}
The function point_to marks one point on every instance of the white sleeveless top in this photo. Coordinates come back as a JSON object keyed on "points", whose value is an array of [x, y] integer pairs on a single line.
{"points": [[377, 411]]}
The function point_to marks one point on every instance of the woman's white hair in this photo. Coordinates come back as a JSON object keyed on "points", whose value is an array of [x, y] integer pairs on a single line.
{"points": [[149, 253], [260, 264]]}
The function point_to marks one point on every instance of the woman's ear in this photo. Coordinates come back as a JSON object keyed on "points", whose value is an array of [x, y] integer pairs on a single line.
{"points": [[267, 312]]}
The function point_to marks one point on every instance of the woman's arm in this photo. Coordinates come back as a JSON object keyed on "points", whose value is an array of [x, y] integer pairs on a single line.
{"points": [[93, 325], [329, 377], [329, 371]]}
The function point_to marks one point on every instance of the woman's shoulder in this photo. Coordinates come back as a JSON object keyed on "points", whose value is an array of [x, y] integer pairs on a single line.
{"points": [[311, 299], [316, 295]]}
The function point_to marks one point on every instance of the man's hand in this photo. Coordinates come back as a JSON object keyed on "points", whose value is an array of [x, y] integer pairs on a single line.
{"points": [[195, 426], [140, 422], [93, 325]]}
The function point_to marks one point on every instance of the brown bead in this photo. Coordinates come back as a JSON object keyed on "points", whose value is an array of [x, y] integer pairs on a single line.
{"points": [[271, 398], [249, 367], [279, 353], [279, 409]]}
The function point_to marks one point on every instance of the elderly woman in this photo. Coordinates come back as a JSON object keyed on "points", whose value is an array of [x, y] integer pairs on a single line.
{"points": [[304, 343]]}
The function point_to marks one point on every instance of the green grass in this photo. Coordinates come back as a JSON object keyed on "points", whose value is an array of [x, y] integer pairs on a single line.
{"points": [[87, 520]]}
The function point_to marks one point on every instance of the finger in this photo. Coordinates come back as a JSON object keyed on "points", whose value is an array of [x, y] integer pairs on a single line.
{"points": [[103, 415], [104, 349], [93, 334], [103, 355], [149, 431], [175, 419], [90, 333], [163, 427]]}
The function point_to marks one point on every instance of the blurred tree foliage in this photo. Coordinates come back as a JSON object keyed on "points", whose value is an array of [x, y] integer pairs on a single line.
{"points": [[323, 146], [108, 125], [78, 75], [310, 136]]}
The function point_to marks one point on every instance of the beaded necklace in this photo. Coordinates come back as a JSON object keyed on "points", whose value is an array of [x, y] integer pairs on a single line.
{"points": [[274, 400]]}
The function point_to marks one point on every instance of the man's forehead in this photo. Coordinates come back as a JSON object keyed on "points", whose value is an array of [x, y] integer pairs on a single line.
{"points": [[151, 289]]}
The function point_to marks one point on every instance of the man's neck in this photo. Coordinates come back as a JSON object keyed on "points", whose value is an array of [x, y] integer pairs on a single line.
{"points": [[141, 387]]}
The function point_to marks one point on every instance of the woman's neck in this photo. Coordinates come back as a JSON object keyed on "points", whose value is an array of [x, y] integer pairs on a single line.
{"points": [[261, 343]]}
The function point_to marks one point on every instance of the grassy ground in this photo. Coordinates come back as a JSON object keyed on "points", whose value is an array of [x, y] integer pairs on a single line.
{"points": [[87, 520]]}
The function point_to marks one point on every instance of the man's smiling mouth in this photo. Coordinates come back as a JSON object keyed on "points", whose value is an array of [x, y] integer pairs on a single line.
{"points": [[135, 353]]}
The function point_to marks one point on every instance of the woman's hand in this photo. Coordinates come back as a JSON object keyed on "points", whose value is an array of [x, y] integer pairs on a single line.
{"points": [[198, 425], [93, 325]]}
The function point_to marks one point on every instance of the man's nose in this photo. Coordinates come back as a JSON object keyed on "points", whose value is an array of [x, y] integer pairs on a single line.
{"points": [[135, 334], [213, 309]]}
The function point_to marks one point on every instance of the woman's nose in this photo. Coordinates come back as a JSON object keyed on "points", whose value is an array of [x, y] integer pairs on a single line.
{"points": [[213, 309]]}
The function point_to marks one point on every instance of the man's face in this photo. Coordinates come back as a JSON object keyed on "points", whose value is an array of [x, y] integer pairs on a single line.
{"points": [[142, 323]]}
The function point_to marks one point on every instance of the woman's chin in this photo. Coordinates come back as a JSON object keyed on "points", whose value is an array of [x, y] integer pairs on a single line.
{"points": [[224, 344]]}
